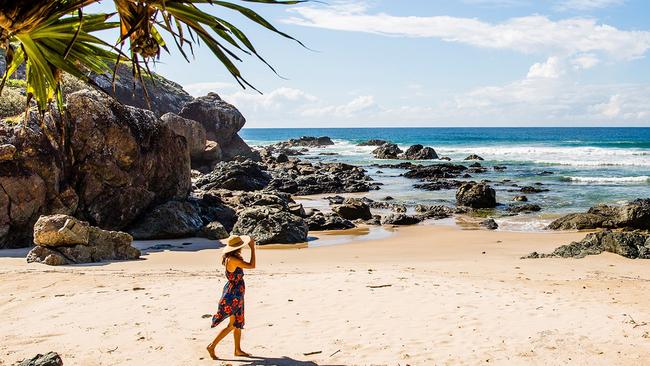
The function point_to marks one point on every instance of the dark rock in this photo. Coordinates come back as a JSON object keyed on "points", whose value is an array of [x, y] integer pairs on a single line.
{"points": [[214, 231], [306, 141], [402, 165], [476, 195], [48, 359], [335, 200], [520, 198], [373, 142], [297, 209], [419, 152], [630, 244], [489, 224], [173, 219], [282, 158], [435, 171], [634, 215], [271, 225], [328, 221], [434, 212], [527, 207], [439, 184], [221, 121], [530, 189], [388, 198], [387, 151], [63, 239], [446, 158], [475, 165], [400, 219], [303, 178], [352, 209], [499, 168], [234, 175], [474, 157]]}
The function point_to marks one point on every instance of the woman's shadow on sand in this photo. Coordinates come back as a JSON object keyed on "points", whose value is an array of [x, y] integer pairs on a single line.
{"points": [[275, 361]]}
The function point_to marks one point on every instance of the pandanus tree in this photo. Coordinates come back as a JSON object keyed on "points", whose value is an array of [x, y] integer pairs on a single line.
{"points": [[55, 36]]}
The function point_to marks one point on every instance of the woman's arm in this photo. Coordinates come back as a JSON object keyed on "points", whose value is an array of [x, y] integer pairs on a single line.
{"points": [[236, 262]]}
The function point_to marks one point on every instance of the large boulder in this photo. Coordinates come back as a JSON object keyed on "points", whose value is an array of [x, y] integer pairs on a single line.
{"points": [[387, 151], [63, 239], [419, 152], [221, 121], [191, 130], [633, 215], [173, 219], [120, 160], [630, 244], [353, 209], [476, 195], [328, 221], [234, 175], [271, 225]]}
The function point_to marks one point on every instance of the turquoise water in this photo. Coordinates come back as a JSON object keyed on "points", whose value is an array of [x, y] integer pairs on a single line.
{"points": [[589, 165]]}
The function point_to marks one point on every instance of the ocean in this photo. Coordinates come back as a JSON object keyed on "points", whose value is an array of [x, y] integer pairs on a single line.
{"points": [[589, 166]]}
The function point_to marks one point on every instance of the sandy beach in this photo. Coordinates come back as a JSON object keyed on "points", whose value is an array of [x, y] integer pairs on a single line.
{"points": [[425, 295]]}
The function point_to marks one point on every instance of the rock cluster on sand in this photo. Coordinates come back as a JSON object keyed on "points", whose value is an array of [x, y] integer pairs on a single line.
{"points": [[271, 224], [476, 195], [62, 239], [328, 221], [630, 244], [48, 359], [633, 215], [120, 161], [353, 209], [400, 219]]}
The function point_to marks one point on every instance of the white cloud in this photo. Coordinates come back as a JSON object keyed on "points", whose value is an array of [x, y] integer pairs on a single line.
{"points": [[612, 108], [587, 4], [278, 99], [551, 69], [359, 105], [200, 89], [533, 34], [585, 61]]}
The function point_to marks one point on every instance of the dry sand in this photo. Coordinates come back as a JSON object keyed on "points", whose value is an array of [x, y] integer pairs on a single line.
{"points": [[443, 296]]}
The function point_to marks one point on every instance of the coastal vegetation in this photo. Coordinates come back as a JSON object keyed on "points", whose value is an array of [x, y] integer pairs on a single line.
{"points": [[56, 37]]}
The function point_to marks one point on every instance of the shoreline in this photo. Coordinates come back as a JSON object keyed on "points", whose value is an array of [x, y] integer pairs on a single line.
{"points": [[429, 294]]}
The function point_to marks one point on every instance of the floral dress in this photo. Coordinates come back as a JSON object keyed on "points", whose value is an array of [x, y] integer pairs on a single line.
{"points": [[232, 299]]}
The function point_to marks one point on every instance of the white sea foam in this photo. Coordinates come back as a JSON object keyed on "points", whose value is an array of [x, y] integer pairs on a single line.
{"points": [[644, 179], [555, 155]]}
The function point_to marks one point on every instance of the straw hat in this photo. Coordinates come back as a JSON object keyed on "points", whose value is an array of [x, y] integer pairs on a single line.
{"points": [[235, 242]]}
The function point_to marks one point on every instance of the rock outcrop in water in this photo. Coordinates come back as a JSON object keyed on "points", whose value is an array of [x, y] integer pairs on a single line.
{"points": [[476, 195], [633, 215], [387, 151], [63, 239], [419, 152], [307, 141], [629, 244]]}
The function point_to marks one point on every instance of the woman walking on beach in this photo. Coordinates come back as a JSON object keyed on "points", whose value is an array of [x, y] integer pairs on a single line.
{"points": [[231, 305]]}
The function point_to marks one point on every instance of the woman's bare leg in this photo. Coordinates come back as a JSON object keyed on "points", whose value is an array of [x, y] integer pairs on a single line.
{"points": [[221, 336], [238, 350]]}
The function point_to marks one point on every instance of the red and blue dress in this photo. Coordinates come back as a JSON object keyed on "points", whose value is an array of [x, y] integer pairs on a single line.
{"points": [[232, 299]]}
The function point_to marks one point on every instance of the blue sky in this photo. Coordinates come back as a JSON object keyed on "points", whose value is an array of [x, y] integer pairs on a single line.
{"points": [[440, 63]]}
